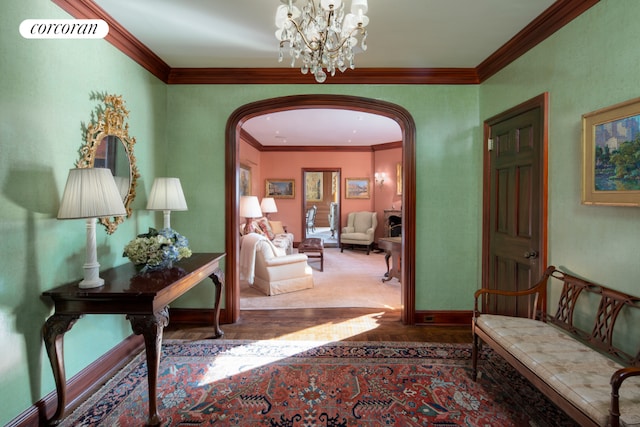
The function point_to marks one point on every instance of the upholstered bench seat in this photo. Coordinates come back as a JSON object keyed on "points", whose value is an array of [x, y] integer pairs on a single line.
{"points": [[578, 372]]}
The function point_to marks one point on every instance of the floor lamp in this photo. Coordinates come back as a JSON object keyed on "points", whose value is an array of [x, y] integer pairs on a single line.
{"points": [[91, 193]]}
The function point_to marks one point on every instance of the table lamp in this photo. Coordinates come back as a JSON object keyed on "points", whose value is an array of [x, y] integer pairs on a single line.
{"points": [[166, 195], [91, 193], [249, 209], [268, 205]]}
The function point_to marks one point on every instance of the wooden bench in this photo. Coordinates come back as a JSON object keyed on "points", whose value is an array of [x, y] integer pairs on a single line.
{"points": [[576, 357]]}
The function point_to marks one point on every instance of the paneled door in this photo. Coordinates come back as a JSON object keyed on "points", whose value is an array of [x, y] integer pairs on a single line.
{"points": [[514, 235]]}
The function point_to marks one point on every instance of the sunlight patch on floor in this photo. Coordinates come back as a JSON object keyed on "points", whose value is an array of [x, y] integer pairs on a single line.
{"points": [[237, 360]]}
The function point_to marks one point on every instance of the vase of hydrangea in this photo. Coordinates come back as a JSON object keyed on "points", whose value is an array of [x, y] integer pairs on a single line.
{"points": [[157, 249]]}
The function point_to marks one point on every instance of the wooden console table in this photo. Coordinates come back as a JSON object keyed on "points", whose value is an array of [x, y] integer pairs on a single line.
{"points": [[393, 248], [143, 298]]}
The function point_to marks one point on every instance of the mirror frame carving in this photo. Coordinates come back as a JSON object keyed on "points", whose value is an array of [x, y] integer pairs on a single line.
{"points": [[111, 122]]}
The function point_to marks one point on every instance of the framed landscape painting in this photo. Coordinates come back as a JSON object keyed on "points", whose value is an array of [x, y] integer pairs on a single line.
{"points": [[280, 188], [611, 155], [357, 188]]}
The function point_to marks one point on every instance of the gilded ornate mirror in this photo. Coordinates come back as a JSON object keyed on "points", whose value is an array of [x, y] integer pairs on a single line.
{"points": [[108, 145]]}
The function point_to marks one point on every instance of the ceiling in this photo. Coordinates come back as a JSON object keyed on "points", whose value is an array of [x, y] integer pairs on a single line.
{"points": [[401, 34]]}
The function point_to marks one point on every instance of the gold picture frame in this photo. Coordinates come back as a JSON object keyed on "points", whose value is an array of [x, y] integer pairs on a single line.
{"points": [[398, 179], [611, 148], [357, 188], [280, 188]]}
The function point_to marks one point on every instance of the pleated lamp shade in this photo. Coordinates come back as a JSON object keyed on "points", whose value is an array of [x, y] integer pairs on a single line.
{"points": [[90, 193], [166, 195]]}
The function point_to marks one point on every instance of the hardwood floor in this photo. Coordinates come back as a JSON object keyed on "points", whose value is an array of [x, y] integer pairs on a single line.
{"points": [[325, 324]]}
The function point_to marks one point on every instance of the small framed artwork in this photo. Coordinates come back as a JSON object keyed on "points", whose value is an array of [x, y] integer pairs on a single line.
{"points": [[280, 188], [357, 188], [398, 179], [245, 180], [611, 155]]}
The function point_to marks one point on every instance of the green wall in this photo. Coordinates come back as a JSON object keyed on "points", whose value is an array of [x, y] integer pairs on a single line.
{"points": [[448, 205], [590, 64], [44, 98]]}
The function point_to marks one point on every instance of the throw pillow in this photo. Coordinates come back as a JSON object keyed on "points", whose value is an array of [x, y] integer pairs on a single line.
{"points": [[276, 227], [265, 227], [253, 228]]}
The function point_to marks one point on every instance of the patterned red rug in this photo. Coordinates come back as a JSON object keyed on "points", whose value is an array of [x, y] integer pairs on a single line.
{"points": [[293, 383]]}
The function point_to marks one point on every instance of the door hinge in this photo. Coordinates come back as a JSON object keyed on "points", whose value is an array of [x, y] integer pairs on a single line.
{"points": [[490, 144]]}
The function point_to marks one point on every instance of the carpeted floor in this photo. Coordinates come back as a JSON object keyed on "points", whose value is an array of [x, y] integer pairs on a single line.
{"points": [[304, 383], [350, 279]]}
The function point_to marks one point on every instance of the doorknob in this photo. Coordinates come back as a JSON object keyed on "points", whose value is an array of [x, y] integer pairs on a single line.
{"points": [[531, 255]]}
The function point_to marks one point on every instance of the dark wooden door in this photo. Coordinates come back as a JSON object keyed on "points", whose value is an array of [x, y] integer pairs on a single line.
{"points": [[514, 235]]}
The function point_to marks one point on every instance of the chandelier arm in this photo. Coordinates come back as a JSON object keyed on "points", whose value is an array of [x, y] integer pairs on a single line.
{"points": [[359, 28], [304, 38]]}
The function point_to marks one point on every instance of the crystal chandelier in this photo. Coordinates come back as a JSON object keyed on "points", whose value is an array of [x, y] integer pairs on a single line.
{"points": [[321, 34]]}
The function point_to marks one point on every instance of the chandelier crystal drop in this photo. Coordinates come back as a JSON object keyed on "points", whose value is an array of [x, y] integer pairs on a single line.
{"points": [[321, 35]]}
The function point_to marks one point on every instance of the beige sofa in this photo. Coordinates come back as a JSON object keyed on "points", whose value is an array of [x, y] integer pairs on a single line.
{"points": [[265, 268]]}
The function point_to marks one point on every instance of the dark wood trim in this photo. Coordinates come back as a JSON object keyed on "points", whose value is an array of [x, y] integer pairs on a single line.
{"points": [[551, 20], [83, 384], [316, 148], [253, 142], [554, 18], [249, 139], [387, 146], [444, 317], [415, 76], [541, 101], [395, 112], [195, 316], [118, 36]]}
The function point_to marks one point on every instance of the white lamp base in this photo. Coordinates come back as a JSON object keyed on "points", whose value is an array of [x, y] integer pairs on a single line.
{"points": [[91, 266], [88, 284]]}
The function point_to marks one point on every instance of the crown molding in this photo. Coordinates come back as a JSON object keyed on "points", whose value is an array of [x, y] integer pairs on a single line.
{"points": [[555, 17], [253, 142], [118, 36], [551, 20], [415, 76]]}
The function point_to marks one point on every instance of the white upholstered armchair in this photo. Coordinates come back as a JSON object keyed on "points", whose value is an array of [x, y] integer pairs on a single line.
{"points": [[269, 270], [360, 230]]}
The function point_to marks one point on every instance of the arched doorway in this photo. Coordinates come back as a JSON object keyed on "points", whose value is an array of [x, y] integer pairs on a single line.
{"points": [[394, 112]]}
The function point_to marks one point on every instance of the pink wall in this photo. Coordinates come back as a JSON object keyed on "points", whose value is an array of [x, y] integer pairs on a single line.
{"points": [[387, 196], [289, 165]]}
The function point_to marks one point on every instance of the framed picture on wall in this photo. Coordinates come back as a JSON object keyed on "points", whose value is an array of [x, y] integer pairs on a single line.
{"points": [[357, 188], [398, 179], [244, 182], [314, 184], [611, 155], [280, 188]]}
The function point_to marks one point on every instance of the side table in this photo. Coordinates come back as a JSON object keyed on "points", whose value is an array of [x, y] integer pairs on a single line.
{"points": [[144, 298], [393, 249]]}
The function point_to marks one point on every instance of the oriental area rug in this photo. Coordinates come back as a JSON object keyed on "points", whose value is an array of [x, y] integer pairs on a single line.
{"points": [[304, 383]]}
